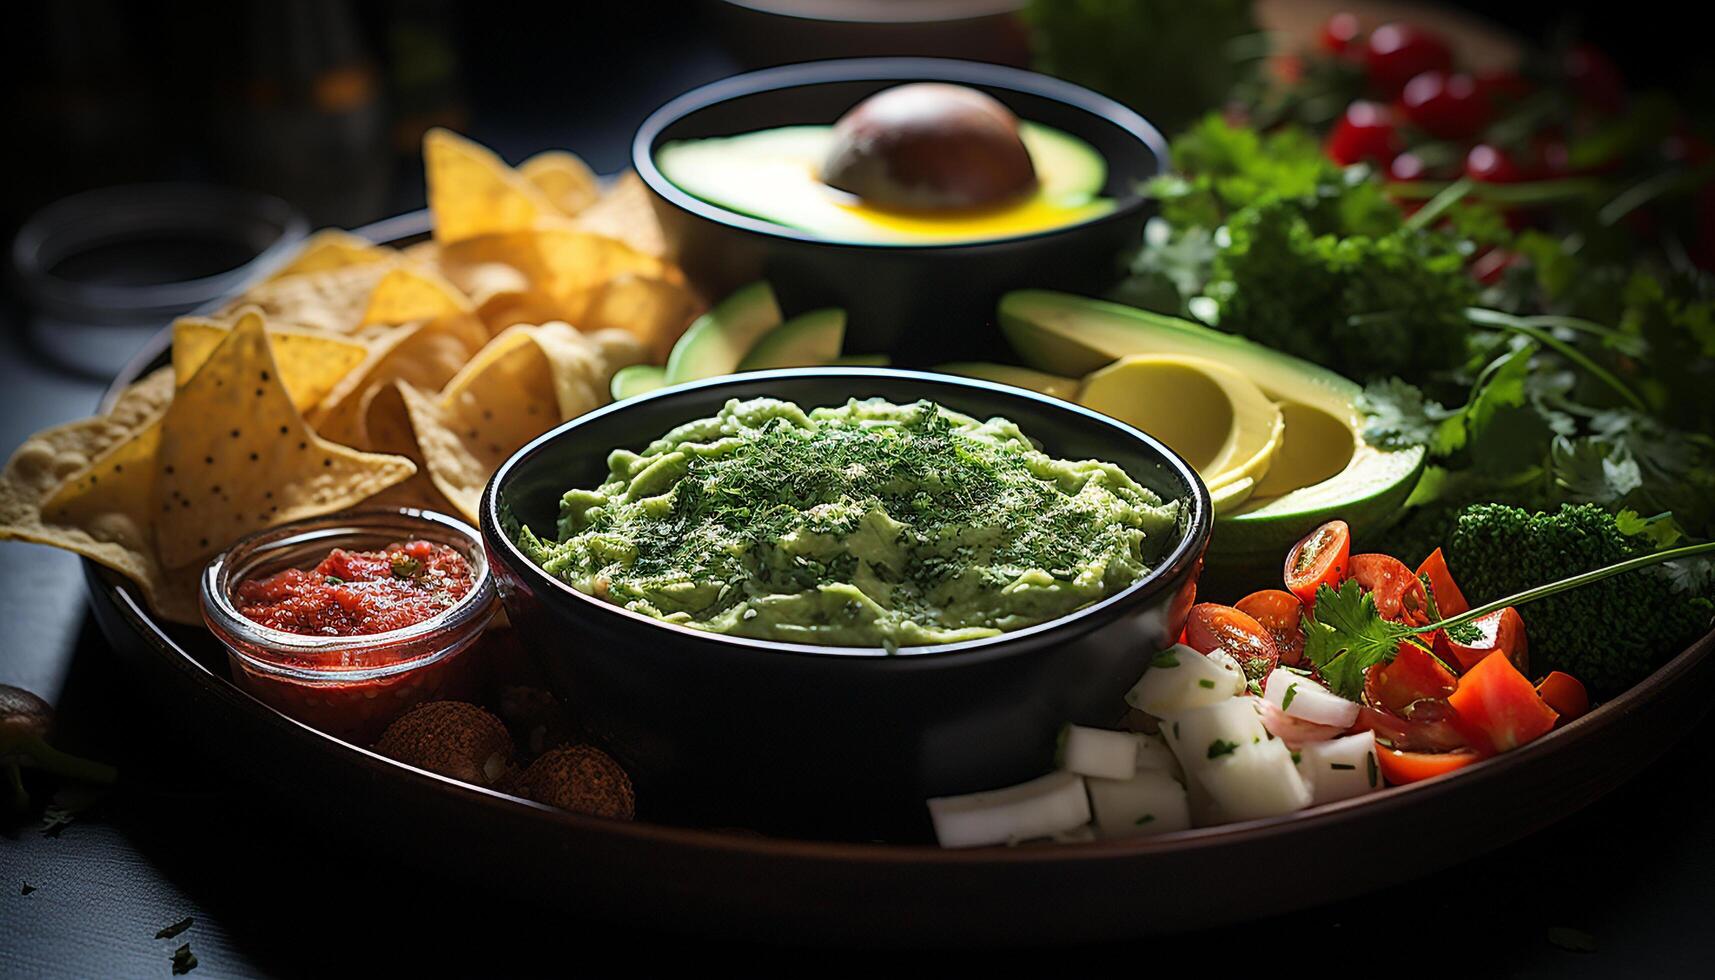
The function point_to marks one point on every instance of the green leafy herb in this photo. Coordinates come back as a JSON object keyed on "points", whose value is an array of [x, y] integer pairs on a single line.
{"points": [[404, 566], [1341, 766], [1206, 683], [333, 580], [1291, 692], [1166, 658], [184, 961], [1146, 818], [1220, 747]]}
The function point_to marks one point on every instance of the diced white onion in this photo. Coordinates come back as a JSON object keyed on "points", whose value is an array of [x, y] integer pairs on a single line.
{"points": [[1301, 697], [1147, 803], [1342, 768], [1050, 805], [1098, 752], [1180, 679]]}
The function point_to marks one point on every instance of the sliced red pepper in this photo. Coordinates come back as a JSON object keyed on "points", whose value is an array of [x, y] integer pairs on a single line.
{"points": [[1399, 768], [1501, 631], [1449, 601], [1498, 702], [1565, 694], [1413, 675]]}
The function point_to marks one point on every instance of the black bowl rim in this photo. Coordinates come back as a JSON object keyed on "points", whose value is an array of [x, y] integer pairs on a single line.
{"points": [[1178, 562], [883, 69]]}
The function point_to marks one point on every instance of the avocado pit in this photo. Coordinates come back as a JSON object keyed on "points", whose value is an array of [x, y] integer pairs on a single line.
{"points": [[929, 147]]}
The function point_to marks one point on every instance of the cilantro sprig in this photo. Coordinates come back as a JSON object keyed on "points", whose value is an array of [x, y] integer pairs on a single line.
{"points": [[1345, 634]]}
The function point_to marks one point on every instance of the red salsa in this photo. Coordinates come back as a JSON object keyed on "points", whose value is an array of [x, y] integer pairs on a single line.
{"points": [[355, 593]]}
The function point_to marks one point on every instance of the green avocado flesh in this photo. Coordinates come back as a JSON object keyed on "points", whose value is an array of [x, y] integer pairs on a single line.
{"points": [[1325, 468], [774, 174], [867, 524]]}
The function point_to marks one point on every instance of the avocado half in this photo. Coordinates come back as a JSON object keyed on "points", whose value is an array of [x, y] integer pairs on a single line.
{"points": [[1324, 470]]}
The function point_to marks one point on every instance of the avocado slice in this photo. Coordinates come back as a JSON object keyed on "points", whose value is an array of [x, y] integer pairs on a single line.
{"points": [[635, 379], [1019, 377], [714, 344], [806, 340], [1323, 469]]}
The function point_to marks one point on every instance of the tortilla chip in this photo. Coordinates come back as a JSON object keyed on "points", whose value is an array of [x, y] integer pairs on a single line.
{"points": [[332, 248], [473, 192], [563, 178], [426, 353], [655, 311], [388, 423], [311, 364], [236, 456], [625, 213], [526, 381], [333, 300], [407, 293]]}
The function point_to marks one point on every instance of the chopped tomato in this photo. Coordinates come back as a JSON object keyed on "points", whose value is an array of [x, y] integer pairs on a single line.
{"points": [[1413, 675], [1281, 614], [1449, 601], [1398, 593], [1565, 694], [1212, 627], [1496, 702], [1399, 768], [1502, 631], [1318, 560], [1430, 727]]}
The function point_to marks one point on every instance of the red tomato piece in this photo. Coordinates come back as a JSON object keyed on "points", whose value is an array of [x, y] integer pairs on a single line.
{"points": [[1317, 560], [1283, 616], [1502, 631], [1449, 601], [1446, 106], [1412, 676], [1399, 768], [1339, 32], [1565, 694], [1399, 594], [1492, 165], [1431, 727], [1496, 700], [1396, 53], [1366, 131], [1213, 626]]}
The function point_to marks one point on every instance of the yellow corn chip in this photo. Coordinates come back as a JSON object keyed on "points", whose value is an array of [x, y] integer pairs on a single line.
{"points": [[426, 353], [407, 293], [332, 248], [473, 192], [333, 300], [625, 213], [563, 178], [655, 311], [236, 456], [311, 364]]}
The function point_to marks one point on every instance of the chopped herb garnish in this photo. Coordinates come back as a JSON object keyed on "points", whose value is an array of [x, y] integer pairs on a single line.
{"points": [[173, 930], [1341, 766], [334, 580], [1220, 747], [1206, 683], [1291, 692], [1146, 818], [404, 566], [184, 961], [27, 889], [1166, 658], [1297, 757], [1370, 764]]}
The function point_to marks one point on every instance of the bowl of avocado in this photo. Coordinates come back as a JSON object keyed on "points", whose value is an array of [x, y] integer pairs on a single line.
{"points": [[808, 600], [911, 192]]}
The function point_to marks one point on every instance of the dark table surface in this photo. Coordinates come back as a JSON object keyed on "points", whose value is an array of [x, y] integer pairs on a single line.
{"points": [[1632, 876]]}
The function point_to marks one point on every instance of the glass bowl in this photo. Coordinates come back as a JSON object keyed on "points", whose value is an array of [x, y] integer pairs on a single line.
{"points": [[351, 687]]}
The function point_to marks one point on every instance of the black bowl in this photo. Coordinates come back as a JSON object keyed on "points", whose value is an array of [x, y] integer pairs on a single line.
{"points": [[820, 740], [919, 303]]}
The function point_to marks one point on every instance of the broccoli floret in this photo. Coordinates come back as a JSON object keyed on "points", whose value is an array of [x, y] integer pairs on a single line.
{"points": [[1609, 635]]}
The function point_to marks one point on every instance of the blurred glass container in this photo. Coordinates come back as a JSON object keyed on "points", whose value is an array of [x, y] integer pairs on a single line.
{"points": [[764, 33], [104, 270]]}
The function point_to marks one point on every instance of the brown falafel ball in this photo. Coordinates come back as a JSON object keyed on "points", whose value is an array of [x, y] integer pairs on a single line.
{"points": [[452, 738], [580, 778]]}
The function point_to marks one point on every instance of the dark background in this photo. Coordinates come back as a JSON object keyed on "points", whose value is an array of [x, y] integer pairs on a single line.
{"points": [[322, 103]]}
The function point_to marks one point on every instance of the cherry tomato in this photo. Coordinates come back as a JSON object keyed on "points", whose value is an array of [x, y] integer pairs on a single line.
{"points": [[1317, 560], [1212, 627], [1430, 728], [1395, 53], [1565, 694], [1501, 631], [1449, 601], [1594, 77], [1339, 32], [1366, 131], [1282, 615], [1399, 594], [1495, 699], [1449, 107], [1407, 166], [1399, 768], [1492, 165], [1412, 676]]}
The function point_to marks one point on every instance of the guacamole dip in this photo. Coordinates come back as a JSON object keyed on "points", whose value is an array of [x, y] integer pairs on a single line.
{"points": [[866, 524]]}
